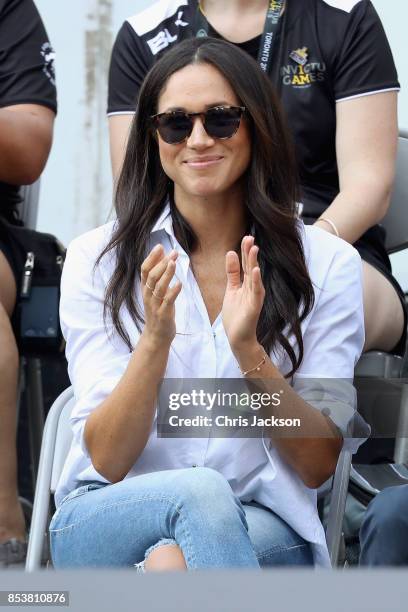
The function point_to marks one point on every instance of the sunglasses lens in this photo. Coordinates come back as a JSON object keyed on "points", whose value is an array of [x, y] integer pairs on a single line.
{"points": [[222, 122], [174, 127]]}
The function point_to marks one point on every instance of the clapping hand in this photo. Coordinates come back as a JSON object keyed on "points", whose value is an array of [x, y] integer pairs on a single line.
{"points": [[157, 272], [244, 297]]}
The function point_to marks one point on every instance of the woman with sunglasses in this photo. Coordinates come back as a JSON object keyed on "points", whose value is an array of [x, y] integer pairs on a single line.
{"points": [[331, 64], [205, 275]]}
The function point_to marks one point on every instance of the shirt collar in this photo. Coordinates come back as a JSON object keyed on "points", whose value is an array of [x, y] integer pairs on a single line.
{"points": [[164, 222], [164, 225]]}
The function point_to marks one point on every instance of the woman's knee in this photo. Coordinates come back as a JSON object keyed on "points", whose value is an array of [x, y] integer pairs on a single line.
{"points": [[206, 493], [204, 486], [164, 556]]}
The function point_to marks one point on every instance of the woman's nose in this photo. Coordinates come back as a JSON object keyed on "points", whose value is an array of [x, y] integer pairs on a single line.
{"points": [[199, 137]]}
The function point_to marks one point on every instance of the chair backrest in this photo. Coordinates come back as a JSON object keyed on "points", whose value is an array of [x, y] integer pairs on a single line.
{"points": [[396, 219], [56, 441], [63, 438]]}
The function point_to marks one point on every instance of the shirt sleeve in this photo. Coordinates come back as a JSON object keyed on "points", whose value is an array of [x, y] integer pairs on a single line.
{"points": [[26, 57], [333, 343], [128, 68], [97, 356], [365, 63]]}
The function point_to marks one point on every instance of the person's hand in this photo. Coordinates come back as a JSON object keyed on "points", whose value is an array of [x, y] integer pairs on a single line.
{"points": [[243, 301], [156, 274]]}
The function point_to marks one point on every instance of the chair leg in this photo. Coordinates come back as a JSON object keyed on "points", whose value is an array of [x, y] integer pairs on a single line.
{"points": [[401, 442], [337, 506], [20, 388], [35, 412]]}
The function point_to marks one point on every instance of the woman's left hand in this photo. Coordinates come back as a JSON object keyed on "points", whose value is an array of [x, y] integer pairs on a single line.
{"points": [[243, 301]]}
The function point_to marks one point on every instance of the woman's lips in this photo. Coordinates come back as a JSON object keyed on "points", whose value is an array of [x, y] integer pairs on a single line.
{"points": [[203, 162]]}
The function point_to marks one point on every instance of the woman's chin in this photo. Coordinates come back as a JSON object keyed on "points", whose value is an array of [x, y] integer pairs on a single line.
{"points": [[205, 189]]}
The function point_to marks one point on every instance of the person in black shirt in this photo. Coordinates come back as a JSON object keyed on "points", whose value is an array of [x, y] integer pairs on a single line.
{"points": [[333, 68], [27, 111]]}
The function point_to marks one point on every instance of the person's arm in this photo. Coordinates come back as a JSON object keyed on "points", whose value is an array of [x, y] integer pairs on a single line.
{"points": [[312, 450], [25, 142], [27, 93], [119, 126], [115, 391], [118, 430], [130, 61], [365, 86], [332, 345], [366, 145]]}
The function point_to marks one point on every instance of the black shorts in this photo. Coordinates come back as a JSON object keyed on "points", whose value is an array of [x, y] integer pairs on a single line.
{"points": [[371, 247], [14, 258]]}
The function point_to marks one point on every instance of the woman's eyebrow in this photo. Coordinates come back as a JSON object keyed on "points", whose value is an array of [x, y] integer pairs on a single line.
{"points": [[173, 109]]}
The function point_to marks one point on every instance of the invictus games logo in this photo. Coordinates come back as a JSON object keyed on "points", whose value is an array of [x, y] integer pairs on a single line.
{"points": [[299, 56], [48, 55], [301, 73]]}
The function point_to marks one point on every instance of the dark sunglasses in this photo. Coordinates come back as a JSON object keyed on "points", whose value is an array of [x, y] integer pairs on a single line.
{"points": [[219, 122]]}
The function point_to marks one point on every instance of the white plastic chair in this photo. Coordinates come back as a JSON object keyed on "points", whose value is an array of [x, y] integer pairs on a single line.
{"points": [[56, 441], [55, 446]]}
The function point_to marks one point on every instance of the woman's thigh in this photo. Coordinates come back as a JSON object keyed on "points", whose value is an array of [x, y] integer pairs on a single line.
{"points": [[114, 525], [7, 285], [111, 525], [383, 311], [274, 542]]}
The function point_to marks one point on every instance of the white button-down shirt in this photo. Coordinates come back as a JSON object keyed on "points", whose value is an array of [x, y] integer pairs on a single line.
{"points": [[333, 335]]}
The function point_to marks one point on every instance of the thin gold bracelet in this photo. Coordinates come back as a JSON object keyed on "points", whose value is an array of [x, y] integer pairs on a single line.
{"points": [[257, 368], [332, 225]]}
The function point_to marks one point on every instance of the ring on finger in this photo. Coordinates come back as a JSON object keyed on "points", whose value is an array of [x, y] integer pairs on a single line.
{"points": [[158, 297], [149, 287]]}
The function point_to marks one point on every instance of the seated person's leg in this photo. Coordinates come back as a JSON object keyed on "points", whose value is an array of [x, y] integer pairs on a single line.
{"points": [[117, 525], [384, 531], [383, 312], [165, 558], [275, 543], [12, 523]]}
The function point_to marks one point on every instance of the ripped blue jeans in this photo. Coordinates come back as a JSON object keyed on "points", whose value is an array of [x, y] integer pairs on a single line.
{"points": [[118, 525]]}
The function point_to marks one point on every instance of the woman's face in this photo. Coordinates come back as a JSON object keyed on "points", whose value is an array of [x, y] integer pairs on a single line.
{"points": [[203, 165]]}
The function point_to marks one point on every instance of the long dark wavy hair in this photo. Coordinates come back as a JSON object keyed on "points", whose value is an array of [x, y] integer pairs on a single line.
{"points": [[271, 191]]}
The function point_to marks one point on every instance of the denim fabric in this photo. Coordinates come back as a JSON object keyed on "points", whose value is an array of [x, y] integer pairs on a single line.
{"points": [[384, 531], [100, 525]]}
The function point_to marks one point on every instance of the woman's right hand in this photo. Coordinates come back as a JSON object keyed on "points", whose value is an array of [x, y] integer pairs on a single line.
{"points": [[159, 300]]}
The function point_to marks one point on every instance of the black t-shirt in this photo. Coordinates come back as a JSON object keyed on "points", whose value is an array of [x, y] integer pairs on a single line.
{"points": [[26, 71], [341, 43]]}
